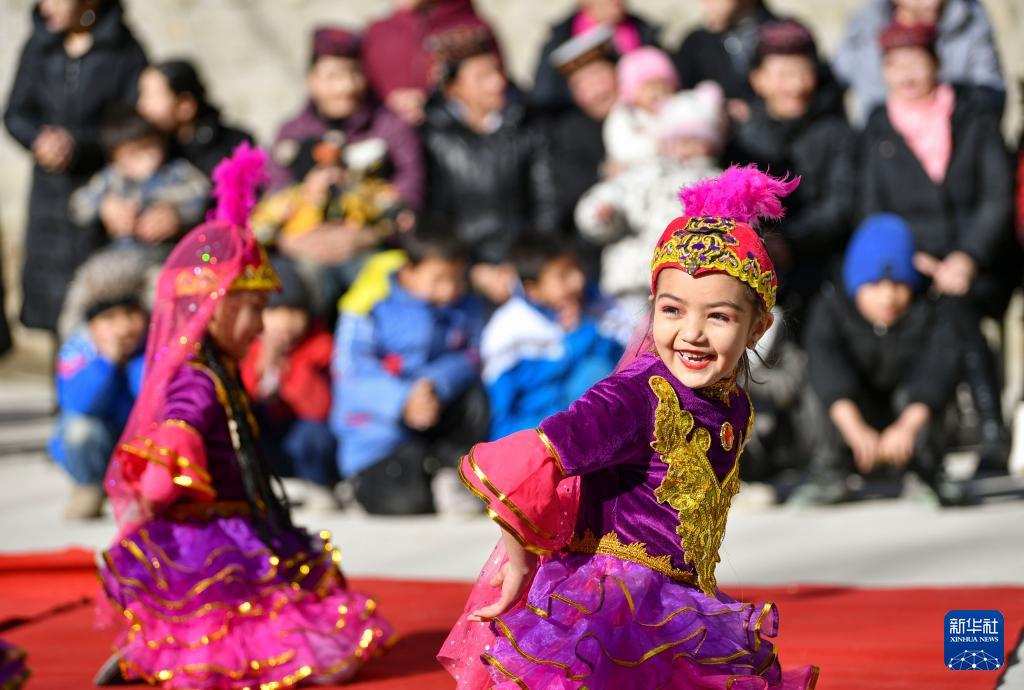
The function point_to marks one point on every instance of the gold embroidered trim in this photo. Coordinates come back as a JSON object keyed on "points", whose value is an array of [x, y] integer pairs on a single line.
{"points": [[502, 522], [715, 250], [690, 485], [165, 456], [262, 277], [504, 499], [551, 449], [635, 552], [181, 424], [723, 390]]}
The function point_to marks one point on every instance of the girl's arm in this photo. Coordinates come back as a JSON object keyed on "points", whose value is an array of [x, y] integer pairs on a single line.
{"points": [[513, 578]]}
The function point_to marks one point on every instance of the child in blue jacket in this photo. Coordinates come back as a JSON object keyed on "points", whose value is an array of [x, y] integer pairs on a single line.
{"points": [[99, 370], [548, 344], [407, 395]]}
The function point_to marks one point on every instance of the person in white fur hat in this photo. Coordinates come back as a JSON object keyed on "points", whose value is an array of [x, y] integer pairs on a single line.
{"points": [[625, 214]]}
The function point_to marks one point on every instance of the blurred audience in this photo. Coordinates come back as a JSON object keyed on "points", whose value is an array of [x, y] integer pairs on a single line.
{"points": [[287, 373], [99, 369], [882, 361], [489, 161], [80, 60], [627, 213], [646, 78], [173, 97], [396, 57], [964, 45], [936, 158], [794, 128], [544, 347], [408, 401], [629, 32], [140, 197]]}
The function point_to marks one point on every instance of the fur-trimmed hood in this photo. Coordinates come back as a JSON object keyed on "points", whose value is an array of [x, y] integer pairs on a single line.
{"points": [[108, 276]]}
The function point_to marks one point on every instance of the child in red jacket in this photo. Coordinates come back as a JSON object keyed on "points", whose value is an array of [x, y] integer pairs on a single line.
{"points": [[287, 373]]}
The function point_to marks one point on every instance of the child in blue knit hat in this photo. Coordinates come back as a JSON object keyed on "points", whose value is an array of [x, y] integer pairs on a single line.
{"points": [[882, 366]]}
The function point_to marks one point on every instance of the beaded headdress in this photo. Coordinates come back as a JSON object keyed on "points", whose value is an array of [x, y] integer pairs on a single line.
{"points": [[716, 234]]}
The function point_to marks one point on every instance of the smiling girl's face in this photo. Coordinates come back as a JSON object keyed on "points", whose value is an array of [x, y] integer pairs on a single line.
{"points": [[701, 326]]}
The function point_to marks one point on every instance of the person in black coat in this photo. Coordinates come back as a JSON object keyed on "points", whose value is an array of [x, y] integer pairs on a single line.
{"points": [[588, 65], [723, 49], [74, 67], [550, 91], [935, 157], [794, 128], [172, 96], [488, 160], [882, 362]]}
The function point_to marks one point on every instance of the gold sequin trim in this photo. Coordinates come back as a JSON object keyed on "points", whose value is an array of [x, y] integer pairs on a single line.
{"points": [[635, 552], [694, 251], [690, 485]]}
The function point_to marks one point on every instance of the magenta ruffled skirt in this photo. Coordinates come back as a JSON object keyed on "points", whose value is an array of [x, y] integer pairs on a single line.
{"points": [[208, 605], [597, 621]]}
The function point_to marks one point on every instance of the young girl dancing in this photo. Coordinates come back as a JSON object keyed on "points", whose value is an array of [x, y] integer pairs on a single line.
{"points": [[217, 586], [624, 496]]}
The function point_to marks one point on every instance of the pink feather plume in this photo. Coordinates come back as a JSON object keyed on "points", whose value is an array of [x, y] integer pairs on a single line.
{"points": [[741, 193], [235, 183]]}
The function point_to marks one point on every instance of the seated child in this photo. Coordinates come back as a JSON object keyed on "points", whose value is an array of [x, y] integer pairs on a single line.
{"points": [[623, 214], [99, 370], [544, 347], [339, 183], [646, 78], [883, 362], [407, 393], [140, 197], [287, 372]]}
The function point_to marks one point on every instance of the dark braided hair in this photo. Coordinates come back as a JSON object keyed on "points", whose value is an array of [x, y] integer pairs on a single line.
{"points": [[264, 491]]}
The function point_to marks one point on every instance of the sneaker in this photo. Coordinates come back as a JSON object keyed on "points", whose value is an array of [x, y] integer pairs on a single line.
{"points": [[451, 497], [85, 503]]}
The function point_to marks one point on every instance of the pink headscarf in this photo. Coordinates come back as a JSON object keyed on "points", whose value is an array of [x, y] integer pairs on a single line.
{"points": [[212, 259]]}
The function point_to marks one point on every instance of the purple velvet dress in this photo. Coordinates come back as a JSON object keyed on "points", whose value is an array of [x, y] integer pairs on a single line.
{"points": [[208, 604], [629, 600]]}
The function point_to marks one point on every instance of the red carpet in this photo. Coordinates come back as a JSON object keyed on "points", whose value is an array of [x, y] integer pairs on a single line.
{"points": [[877, 639]]}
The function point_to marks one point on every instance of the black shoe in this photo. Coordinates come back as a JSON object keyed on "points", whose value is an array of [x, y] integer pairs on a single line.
{"points": [[950, 493], [994, 452]]}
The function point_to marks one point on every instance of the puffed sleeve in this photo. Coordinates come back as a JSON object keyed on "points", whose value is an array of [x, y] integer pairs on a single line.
{"points": [[525, 489], [170, 461]]}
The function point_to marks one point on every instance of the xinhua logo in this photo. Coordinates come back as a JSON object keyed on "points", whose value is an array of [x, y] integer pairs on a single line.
{"points": [[974, 640]]}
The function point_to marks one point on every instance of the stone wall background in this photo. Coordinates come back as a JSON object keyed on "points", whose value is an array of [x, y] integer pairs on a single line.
{"points": [[252, 54]]}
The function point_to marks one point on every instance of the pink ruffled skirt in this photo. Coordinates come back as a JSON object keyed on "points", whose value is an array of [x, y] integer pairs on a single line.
{"points": [[209, 605]]}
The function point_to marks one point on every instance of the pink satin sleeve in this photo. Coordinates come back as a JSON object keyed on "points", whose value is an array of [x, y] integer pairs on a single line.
{"points": [[168, 463], [526, 491]]}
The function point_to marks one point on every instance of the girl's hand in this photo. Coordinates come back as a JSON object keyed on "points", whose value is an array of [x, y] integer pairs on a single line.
{"points": [[512, 580]]}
